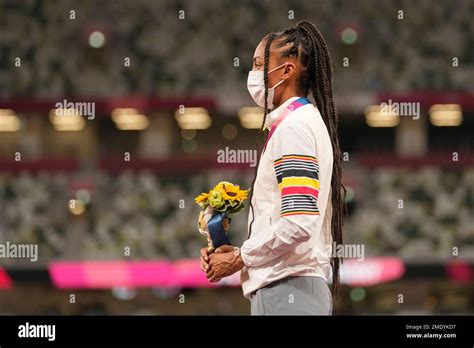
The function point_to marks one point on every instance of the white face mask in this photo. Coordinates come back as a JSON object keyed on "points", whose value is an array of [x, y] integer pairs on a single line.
{"points": [[256, 87]]}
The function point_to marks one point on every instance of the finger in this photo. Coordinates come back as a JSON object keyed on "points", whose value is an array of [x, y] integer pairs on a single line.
{"points": [[205, 254], [212, 263], [204, 264], [210, 274], [224, 249]]}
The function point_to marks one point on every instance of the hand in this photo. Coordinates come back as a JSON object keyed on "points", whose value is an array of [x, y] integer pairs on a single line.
{"points": [[224, 262], [204, 259], [224, 249]]}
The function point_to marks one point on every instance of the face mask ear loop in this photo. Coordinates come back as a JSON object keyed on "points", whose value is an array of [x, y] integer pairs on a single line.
{"points": [[278, 67], [278, 84]]}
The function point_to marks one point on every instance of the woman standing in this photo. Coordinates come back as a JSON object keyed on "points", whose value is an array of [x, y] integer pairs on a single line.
{"points": [[297, 201]]}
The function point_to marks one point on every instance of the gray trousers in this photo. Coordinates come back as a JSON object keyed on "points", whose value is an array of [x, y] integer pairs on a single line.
{"points": [[293, 296]]}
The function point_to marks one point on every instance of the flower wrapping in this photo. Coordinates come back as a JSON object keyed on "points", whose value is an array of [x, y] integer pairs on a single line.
{"points": [[214, 221]]}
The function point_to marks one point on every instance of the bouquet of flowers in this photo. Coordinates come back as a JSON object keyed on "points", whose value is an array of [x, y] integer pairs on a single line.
{"points": [[224, 199]]}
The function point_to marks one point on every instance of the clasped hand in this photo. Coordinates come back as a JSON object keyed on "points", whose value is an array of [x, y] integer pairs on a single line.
{"points": [[223, 262]]}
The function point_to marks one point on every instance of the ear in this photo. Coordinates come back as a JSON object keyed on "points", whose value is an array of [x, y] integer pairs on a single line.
{"points": [[289, 70]]}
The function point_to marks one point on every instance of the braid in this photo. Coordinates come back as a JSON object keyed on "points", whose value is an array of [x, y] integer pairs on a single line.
{"points": [[307, 44], [320, 71], [261, 132], [265, 74]]}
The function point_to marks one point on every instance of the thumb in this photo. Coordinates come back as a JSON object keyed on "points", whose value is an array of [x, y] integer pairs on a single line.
{"points": [[224, 249]]}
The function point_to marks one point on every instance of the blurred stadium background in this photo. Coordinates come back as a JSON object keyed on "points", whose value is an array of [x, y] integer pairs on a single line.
{"points": [[90, 190]]}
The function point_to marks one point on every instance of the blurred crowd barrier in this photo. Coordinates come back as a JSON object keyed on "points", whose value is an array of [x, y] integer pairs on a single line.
{"points": [[169, 48], [130, 215], [414, 214]]}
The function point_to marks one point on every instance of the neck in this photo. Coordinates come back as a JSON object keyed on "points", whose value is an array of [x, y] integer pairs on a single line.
{"points": [[287, 94]]}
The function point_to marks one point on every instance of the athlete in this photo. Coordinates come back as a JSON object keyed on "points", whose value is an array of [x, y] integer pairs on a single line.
{"points": [[297, 198]]}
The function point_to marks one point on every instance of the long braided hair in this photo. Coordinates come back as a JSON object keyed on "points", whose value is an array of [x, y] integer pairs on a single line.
{"points": [[306, 43], [262, 133]]}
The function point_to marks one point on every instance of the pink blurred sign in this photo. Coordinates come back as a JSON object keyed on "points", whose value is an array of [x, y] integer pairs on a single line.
{"points": [[460, 271], [5, 281], [371, 271], [186, 273], [108, 274]]}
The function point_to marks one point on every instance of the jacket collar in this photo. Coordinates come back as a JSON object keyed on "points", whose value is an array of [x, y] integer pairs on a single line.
{"points": [[272, 116]]}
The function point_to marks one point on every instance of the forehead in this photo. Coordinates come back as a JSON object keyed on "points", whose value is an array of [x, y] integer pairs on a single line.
{"points": [[260, 50]]}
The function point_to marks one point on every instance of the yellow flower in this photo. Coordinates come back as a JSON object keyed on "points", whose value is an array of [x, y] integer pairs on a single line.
{"points": [[201, 198], [242, 195], [228, 190]]}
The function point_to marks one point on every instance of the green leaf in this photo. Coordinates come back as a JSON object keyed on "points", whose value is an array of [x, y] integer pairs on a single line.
{"points": [[237, 209]]}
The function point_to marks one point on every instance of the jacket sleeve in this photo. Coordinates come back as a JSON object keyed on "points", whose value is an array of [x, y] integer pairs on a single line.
{"points": [[297, 173]]}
